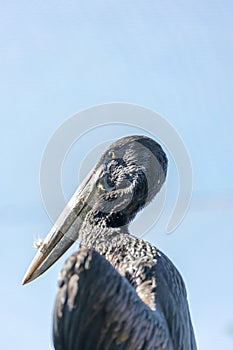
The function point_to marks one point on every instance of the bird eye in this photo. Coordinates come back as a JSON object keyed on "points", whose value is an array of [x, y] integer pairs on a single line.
{"points": [[105, 184], [112, 154]]}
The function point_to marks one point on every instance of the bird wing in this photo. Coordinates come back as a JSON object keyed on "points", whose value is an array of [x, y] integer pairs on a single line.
{"points": [[171, 299], [97, 308], [159, 285]]}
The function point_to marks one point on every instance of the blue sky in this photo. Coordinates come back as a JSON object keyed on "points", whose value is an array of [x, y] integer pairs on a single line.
{"points": [[58, 58]]}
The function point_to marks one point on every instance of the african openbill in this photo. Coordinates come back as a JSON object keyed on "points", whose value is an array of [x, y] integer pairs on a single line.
{"points": [[117, 291]]}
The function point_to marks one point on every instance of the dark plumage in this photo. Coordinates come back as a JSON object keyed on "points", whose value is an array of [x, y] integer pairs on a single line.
{"points": [[117, 291]]}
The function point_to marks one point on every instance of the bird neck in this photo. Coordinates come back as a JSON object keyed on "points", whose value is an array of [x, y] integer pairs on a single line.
{"points": [[101, 238]]}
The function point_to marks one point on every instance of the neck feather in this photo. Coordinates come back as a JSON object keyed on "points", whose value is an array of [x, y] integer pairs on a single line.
{"points": [[100, 236]]}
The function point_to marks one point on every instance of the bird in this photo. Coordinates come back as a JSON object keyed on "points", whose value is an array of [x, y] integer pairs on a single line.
{"points": [[117, 291]]}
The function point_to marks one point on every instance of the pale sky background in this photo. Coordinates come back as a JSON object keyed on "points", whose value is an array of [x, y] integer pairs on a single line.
{"points": [[60, 57]]}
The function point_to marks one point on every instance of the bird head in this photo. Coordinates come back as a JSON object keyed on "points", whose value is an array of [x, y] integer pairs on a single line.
{"points": [[125, 179]]}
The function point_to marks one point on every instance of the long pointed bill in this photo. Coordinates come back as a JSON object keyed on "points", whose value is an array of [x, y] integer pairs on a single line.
{"points": [[66, 229]]}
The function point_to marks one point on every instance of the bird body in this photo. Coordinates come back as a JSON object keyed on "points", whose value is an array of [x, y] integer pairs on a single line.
{"points": [[136, 300], [117, 291]]}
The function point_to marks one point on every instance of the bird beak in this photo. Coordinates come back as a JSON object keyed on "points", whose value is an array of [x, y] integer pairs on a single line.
{"points": [[66, 229]]}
